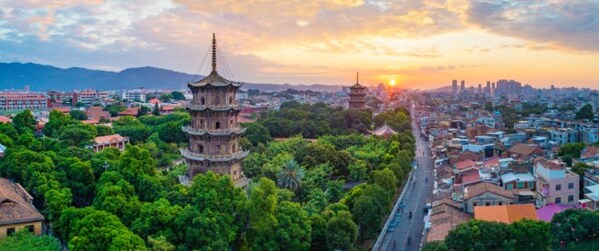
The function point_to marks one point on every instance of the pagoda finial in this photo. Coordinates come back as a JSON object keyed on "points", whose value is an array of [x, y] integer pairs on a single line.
{"points": [[213, 52], [357, 77]]}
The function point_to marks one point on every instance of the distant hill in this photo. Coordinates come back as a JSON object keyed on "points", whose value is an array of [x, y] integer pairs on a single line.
{"points": [[46, 77]]}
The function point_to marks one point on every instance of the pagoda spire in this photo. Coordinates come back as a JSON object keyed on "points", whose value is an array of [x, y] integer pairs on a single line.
{"points": [[357, 77], [213, 52]]}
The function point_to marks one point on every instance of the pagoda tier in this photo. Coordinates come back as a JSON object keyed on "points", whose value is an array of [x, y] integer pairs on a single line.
{"points": [[214, 157], [213, 132], [217, 108], [214, 80]]}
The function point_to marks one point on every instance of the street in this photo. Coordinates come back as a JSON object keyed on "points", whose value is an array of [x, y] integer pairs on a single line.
{"points": [[415, 198]]}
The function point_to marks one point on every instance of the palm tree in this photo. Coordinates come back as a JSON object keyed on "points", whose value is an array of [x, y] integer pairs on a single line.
{"points": [[291, 175]]}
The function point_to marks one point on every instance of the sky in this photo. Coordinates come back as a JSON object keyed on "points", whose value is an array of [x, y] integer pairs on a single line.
{"points": [[415, 44]]}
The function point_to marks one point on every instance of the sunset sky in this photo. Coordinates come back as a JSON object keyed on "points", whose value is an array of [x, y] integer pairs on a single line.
{"points": [[418, 44]]}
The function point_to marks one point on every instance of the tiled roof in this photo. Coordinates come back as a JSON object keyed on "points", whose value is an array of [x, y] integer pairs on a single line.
{"points": [[384, 131], [590, 152], [132, 111], [524, 149], [546, 213], [4, 119], [444, 218], [505, 213], [14, 204], [549, 164], [109, 138], [480, 188], [464, 164]]}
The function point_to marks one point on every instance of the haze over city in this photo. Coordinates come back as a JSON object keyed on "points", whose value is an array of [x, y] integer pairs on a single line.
{"points": [[416, 44]]}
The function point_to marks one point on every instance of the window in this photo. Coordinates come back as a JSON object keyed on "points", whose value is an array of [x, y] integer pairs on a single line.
{"points": [[230, 100], [203, 101], [233, 148], [201, 148], [531, 185], [231, 122], [201, 123], [217, 125], [520, 185], [570, 185], [570, 198], [558, 200], [558, 187], [500, 203], [474, 204], [487, 204], [218, 147], [10, 231], [30, 228], [510, 186], [217, 100]]}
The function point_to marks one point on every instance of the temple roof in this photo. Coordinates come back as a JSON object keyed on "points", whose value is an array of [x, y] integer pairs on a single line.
{"points": [[214, 79]]}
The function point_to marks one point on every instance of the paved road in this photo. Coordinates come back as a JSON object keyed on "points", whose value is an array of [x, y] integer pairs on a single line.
{"points": [[416, 198]]}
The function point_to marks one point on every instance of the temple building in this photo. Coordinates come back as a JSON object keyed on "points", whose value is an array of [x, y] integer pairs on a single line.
{"points": [[214, 133], [357, 95]]}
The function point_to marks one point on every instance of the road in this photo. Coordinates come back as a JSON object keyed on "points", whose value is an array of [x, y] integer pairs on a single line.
{"points": [[415, 198]]}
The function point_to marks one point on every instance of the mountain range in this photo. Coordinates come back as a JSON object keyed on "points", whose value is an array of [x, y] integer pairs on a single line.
{"points": [[45, 77]]}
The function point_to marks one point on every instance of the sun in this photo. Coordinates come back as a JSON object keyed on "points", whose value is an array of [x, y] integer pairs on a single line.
{"points": [[392, 82]]}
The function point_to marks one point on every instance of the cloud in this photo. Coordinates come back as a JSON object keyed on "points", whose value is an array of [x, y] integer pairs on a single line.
{"points": [[554, 24]]}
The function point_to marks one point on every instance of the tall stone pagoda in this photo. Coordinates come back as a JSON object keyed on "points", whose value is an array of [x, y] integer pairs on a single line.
{"points": [[214, 133], [357, 95]]}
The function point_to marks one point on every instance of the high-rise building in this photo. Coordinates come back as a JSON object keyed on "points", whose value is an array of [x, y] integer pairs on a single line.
{"points": [[508, 87], [454, 87], [480, 88], [463, 86], [357, 95], [488, 88], [214, 133]]}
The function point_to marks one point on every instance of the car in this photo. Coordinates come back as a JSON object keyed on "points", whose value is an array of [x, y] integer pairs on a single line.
{"points": [[427, 207]]}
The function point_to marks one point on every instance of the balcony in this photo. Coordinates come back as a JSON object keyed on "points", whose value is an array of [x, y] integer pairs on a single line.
{"points": [[213, 107], [215, 132], [213, 157]]}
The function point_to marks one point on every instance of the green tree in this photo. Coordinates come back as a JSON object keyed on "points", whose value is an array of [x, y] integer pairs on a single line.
{"points": [[257, 133], [574, 226], [386, 179], [77, 135], [263, 223], [586, 112], [91, 229], [477, 235], [24, 121], [104, 130], [156, 111], [580, 168], [78, 115], [177, 95], [435, 246], [57, 120], [294, 230], [341, 231], [291, 176], [24, 240]]}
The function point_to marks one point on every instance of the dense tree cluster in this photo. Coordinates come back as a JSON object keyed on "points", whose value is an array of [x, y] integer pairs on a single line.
{"points": [[572, 229], [118, 200], [312, 121]]}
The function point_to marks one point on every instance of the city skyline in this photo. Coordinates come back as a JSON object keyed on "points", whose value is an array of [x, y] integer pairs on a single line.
{"points": [[417, 44]]}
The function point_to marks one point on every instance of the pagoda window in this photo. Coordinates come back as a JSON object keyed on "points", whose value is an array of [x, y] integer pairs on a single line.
{"points": [[217, 100], [233, 148], [200, 148], [231, 100], [203, 101], [217, 125], [231, 122]]}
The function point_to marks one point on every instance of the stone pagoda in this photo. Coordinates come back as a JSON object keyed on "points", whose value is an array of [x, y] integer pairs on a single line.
{"points": [[357, 95], [214, 133]]}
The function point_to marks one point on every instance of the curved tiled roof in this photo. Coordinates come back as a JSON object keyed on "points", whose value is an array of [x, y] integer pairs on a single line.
{"points": [[15, 206], [214, 79]]}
